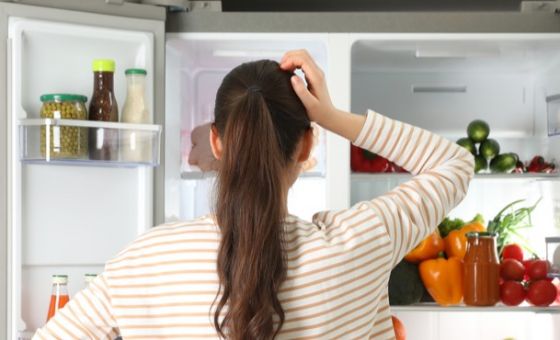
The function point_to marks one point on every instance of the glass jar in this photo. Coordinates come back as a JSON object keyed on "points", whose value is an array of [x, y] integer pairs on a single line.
{"points": [[68, 142], [481, 270]]}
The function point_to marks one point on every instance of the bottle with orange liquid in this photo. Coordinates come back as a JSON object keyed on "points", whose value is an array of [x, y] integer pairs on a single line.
{"points": [[59, 296]]}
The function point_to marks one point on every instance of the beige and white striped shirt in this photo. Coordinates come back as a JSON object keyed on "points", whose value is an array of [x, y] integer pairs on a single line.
{"points": [[164, 283]]}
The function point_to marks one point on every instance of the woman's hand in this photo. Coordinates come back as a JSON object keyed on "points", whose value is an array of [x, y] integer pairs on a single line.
{"points": [[315, 97]]}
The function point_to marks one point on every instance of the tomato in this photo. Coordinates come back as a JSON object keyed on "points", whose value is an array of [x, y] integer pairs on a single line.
{"points": [[512, 251], [558, 291], [538, 270], [400, 331], [527, 264], [511, 269], [541, 293], [512, 293]]}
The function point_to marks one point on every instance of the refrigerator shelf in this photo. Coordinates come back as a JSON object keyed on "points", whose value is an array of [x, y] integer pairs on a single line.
{"points": [[433, 307], [529, 176], [68, 142]]}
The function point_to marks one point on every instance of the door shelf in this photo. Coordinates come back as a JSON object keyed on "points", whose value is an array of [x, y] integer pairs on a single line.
{"points": [[70, 142], [433, 307], [529, 176]]}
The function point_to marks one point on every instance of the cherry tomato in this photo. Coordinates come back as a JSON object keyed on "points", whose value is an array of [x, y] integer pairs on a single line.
{"points": [[511, 269], [538, 270], [512, 251], [512, 293], [541, 293]]}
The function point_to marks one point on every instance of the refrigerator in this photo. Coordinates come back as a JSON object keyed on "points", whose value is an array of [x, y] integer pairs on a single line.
{"points": [[435, 70]]}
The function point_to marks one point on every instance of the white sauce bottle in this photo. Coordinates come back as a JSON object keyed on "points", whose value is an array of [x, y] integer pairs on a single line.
{"points": [[136, 146]]}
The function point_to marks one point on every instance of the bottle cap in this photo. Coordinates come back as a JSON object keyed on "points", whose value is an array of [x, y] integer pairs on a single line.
{"points": [[89, 277], [103, 65], [60, 279], [135, 71]]}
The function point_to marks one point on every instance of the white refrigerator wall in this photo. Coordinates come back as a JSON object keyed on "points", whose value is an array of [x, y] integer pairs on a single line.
{"points": [[69, 219], [196, 65]]}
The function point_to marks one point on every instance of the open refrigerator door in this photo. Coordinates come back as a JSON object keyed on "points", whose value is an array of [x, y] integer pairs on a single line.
{"points": [[70, 217]]}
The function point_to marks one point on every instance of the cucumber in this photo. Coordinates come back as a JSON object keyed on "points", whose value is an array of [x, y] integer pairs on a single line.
{"points": [[489, 149], [480, 163], [478, 130], [503, 163], [468, 144]]}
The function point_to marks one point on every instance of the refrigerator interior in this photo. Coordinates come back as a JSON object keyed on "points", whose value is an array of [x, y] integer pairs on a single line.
{"points": [[441, 83], [195, 67], [69, 219]]}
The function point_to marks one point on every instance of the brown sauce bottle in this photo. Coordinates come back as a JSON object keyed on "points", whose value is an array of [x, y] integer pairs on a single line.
{"points": [[103, 143]]}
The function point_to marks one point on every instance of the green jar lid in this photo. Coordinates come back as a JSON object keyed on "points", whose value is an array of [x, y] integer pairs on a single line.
{"points": [[481, 234], [63, 97], [135, 71], [103, 65]]}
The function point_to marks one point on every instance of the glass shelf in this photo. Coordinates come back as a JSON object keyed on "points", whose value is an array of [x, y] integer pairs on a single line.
{"points": [[433, 307], [89, 143], [512, 176]]}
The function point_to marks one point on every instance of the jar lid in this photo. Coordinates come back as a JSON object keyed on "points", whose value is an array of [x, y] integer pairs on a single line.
{"points": [[135, 71], [63, 97], [103, 65], [481, 234], [60, 279]]}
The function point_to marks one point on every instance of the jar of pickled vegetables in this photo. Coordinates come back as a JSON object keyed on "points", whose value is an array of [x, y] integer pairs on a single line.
{"points": [[59, 141]]}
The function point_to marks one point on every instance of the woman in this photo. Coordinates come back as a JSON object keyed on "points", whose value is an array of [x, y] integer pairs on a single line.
{"points": [[251, 270]]}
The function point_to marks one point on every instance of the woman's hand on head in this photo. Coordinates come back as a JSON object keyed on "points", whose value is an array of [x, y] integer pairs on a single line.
{"points": [[315, 97]]}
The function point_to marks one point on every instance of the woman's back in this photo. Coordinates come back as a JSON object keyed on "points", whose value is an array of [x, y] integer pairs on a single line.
{"points": [[253, 272]]}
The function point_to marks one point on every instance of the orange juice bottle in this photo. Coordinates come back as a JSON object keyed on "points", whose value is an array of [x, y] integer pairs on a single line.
{"points": [[59, 296]]}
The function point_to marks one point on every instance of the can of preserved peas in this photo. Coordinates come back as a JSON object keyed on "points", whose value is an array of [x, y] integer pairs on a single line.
{"points": [[64, 142]]}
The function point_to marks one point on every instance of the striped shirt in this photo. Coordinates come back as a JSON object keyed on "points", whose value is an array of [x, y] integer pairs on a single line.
{"points": [[164, 284]]}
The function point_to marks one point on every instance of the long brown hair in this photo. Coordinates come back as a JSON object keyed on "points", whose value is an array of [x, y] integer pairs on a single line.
{"points": [[260, 121]]}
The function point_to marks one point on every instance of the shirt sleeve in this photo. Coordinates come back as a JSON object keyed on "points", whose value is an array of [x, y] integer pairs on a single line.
{"points": [[88, 315], [442, 171]]}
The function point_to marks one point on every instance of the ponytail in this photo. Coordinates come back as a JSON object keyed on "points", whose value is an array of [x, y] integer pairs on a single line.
{"points": [[258, 138]]}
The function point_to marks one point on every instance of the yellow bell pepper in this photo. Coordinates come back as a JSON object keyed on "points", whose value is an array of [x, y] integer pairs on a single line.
{"points": [[456, 241], [429, 248], [443, 278]]}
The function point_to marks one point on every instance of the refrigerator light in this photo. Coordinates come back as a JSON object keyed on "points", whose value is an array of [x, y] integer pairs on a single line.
{"points": [[248, 54]]}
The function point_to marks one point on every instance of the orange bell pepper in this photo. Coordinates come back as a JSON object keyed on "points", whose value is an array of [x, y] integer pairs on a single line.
{"points": [[443, 278], [456, 241], [429, 248]]}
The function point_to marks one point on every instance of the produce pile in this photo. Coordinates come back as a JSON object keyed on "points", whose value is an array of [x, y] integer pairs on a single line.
{"points": [[433, 270], [488, 157]]}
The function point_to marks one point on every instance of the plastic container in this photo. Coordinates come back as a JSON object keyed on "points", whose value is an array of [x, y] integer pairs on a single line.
{"points": [[64, 142], [553, 255]]}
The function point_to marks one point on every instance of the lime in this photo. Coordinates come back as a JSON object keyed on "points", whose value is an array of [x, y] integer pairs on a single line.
{"points": [[504, 163], [468, 144], [478, 130], [489, 149], [480, 163]]}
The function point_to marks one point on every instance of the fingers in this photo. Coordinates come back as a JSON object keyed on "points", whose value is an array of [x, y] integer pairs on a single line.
{"points": [[301, 59], [302, 92]]}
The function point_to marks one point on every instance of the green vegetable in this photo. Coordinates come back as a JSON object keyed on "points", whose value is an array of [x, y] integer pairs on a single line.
{"points": [[405, 285], [480, 163], [504, 163], [506, 225], [468, 144], [448, 225], [478, 130], [489, 149]]}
